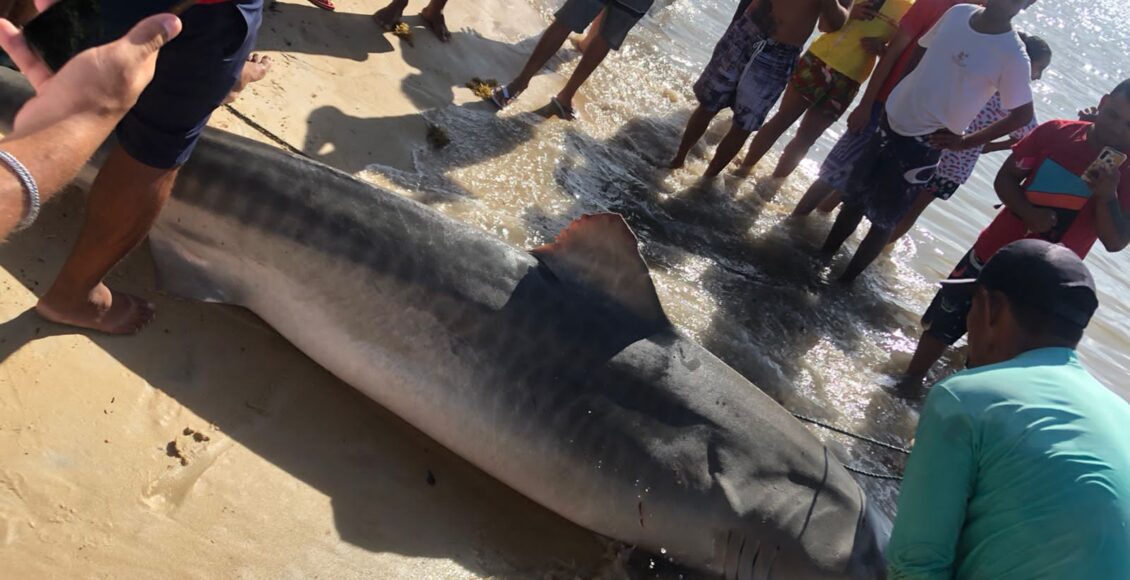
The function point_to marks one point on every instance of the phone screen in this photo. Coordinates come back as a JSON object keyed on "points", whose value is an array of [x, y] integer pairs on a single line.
{"points": [[69, 27]]}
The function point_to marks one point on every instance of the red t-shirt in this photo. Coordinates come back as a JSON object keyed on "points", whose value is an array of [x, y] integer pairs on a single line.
{"points": [[917, 21], [1055, 155]]}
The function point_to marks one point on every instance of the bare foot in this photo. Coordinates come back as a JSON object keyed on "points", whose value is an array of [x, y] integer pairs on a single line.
{"points": [[437, 23], [256, 67], [581, 43], [389, 16], [104, 311]]}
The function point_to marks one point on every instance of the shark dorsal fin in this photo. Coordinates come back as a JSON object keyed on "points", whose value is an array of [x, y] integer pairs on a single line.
{"points": [[601, 252]]}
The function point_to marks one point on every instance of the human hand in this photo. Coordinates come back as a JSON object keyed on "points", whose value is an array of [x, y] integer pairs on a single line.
{"points": [[1039, 220], [1089, 114], [863, 10], [1103, 181], [873, 45], [103, 82], [860, 118], [947, 140]]}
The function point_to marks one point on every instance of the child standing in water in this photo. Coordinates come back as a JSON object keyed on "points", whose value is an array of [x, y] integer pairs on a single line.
{"points": [[750, 67], [826, 81], [617, 18]]}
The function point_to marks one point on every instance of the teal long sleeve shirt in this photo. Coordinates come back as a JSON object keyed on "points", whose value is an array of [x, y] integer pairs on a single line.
{"points": [[1020, 470]]}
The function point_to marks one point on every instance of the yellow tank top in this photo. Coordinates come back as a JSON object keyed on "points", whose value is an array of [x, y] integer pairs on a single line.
{"points": [[841, 50]]}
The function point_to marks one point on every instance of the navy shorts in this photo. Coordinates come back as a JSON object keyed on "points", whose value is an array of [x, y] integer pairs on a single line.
{"points": [[195, 72], [889, 175], [622, 17], [946, 317]]}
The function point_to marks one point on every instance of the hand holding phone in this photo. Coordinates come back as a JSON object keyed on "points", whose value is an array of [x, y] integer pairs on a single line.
{"points": [[1105, 168]]}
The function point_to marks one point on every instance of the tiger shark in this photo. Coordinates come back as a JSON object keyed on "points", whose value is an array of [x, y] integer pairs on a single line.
{"points": [[554, 370]]}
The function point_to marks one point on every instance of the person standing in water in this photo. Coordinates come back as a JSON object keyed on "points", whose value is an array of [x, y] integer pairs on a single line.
{"points": [[1021, 464], [826, 81], [617, 19], [863, 121], [1047, 194], [750, 67], [956, 167], [970, 54]]}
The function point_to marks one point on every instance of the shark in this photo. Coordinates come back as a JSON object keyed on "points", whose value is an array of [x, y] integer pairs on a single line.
{"points": [[554, 370]]}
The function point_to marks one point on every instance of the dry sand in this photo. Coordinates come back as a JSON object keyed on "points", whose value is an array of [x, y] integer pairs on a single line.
{"points": [[208, 447]]}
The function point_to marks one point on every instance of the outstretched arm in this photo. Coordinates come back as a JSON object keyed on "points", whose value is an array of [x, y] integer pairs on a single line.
{"points": [[74, 110], [1017, 119], [936, 487]]}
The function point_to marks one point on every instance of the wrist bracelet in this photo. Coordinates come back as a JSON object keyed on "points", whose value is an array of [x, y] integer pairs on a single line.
{"points": [[30, 187]]}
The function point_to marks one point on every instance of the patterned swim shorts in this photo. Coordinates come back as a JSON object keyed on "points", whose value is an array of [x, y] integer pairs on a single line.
{"points": [[826, 89], [747, 73]]}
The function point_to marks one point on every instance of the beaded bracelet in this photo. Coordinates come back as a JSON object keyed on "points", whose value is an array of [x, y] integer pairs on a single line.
{"points": [[30, 187]]}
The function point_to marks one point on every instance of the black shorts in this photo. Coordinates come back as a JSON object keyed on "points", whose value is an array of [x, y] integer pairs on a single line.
{"points": [[945, 319], [195, 72], [889, 174]]}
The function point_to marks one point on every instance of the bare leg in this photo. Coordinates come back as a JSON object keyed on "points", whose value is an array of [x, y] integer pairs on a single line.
{"points": [[594, 31], [831, 202], [124, 202], [817, 192], [927, 353], [865, 254], [254, 70], [433, 17], [696, 128], [729, 148], [845, 225], [793, 105], [921, 202], [594, 55], [388, 16], [811, 128], [549, 44]]}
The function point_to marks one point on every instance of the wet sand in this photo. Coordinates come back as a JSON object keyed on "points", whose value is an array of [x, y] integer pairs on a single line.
{"points": [[208, 447]]}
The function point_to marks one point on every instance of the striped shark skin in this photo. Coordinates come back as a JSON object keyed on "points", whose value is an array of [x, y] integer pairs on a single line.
{"points": [[553, 370]]}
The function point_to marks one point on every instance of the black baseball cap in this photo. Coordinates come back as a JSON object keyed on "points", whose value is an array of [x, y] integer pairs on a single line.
{"points": [[1042, 275]]}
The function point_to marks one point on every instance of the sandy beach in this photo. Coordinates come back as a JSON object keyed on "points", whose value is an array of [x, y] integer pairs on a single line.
{"points": [[208, 447]]}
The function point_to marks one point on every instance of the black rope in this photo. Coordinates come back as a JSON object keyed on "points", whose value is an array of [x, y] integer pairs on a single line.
{"points": [[265, 132], [864, 438], [873, 474]]}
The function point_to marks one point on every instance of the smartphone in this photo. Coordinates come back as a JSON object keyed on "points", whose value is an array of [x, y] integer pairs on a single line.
{"points": [[69, 27], [1108, 159]]}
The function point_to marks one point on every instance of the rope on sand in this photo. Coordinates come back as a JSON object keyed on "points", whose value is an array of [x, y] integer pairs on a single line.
{"points": [[265, 132]]}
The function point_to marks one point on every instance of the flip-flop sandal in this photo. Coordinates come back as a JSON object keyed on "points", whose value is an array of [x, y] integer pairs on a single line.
{"points": [[564, 112], [324, 4], [501, 97]]}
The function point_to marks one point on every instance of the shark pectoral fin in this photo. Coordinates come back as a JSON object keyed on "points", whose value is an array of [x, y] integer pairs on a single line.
{"points": [[601, 252], [180, 275]]}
